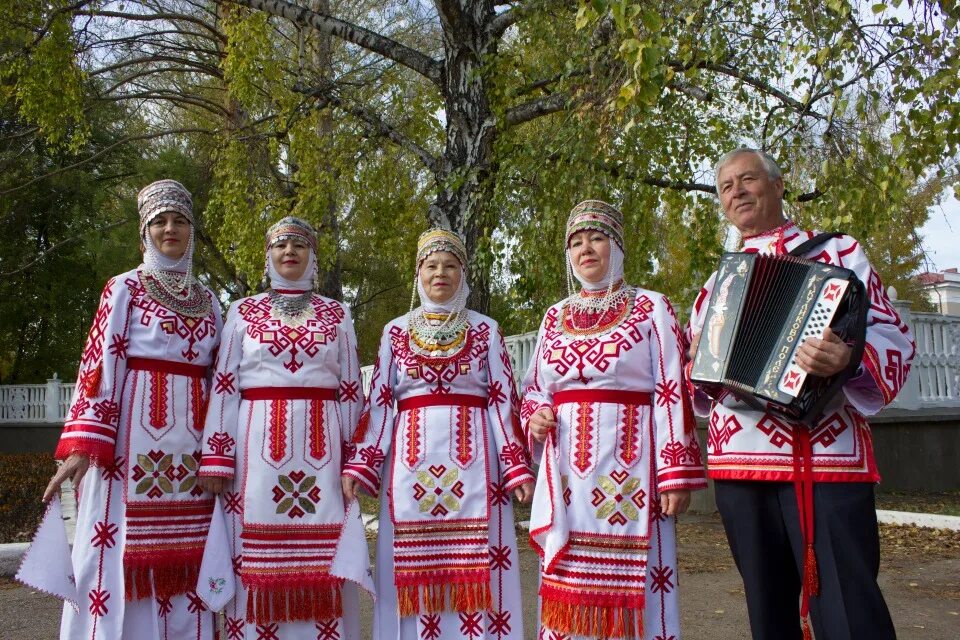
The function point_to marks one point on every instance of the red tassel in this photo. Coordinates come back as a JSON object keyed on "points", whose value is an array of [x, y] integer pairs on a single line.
{"points": [[283, 603], [143, 581], [462, 597], [811, 573], [593, 621]]}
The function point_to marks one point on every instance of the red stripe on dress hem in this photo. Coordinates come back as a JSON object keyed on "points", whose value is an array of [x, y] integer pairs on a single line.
{"points": [[613, 396]]}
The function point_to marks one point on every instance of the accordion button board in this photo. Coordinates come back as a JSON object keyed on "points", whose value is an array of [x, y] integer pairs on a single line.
{"points": [[763, 308]]}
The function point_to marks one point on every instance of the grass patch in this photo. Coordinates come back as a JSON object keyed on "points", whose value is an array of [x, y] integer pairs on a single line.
{"points": [[23, 477]]}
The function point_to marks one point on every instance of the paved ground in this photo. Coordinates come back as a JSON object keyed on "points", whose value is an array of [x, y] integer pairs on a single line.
{"points": [[920, 577]]}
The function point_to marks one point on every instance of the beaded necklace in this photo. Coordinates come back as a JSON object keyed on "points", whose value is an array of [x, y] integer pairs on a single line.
{"points": [[176, 291], [437, 336], [596, 314], [292, 310]]}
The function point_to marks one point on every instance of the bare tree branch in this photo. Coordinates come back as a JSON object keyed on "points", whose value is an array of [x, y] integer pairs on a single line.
{"points": [[149, 17], [360, 36]]}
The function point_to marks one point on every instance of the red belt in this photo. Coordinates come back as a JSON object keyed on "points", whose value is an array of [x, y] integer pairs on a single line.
{"points": [[445, 400], [603, 395], [167, 366], [289, 393]]}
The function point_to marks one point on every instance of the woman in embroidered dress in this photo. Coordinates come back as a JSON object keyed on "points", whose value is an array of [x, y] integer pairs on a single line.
{"points": [[604, 393], [453, 455], [131, 439], [286, 397]]}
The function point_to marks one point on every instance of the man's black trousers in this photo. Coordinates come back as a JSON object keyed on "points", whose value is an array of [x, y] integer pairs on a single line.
{"points": [[763, 529]]}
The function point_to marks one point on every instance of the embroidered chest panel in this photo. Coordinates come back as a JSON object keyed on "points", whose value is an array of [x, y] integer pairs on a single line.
{"points": [[565, 355], [291, 344], [442, 372], [192, 331]]}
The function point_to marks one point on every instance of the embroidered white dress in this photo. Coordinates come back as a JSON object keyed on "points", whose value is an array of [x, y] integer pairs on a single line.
{"points": [[285, 400], [440, 442], [137, 411], [624, 435], [746, 444]]}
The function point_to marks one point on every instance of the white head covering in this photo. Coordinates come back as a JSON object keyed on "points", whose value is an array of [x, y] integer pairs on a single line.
{"points": [[614, 270], [290, 227], [432, 241], [154, 199]]}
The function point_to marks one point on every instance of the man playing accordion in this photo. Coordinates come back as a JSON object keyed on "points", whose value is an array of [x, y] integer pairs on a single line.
{"points": [[797, 502]]}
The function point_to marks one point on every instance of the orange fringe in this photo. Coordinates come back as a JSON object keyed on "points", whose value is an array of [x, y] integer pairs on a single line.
{"points": [[593, 621], [162, 582], [91, 385], [292, 604], [462, 597]]}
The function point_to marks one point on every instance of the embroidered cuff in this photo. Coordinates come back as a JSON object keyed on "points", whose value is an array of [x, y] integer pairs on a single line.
{"points": [[517, 476], [98, 451], [364, 476]]}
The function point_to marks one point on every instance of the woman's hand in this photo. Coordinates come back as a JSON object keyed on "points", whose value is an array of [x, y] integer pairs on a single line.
{"points": [[541, 423], [524, 493], [74, 467], [675, 501], [213, 484], [351, 488]]}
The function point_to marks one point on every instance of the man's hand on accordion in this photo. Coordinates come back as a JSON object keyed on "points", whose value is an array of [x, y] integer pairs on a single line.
{"points": [[825, 357]]}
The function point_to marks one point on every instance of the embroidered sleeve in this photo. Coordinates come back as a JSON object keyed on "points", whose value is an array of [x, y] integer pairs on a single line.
{"points": [[890, 346], [374, 433], [535, 394], [679, 459], [223, 410], [503, 411], [700, 400], [94, 416], [350, 391]]}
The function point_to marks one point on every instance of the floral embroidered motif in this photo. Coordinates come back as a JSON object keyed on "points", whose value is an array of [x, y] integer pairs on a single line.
{"points": [[216, 585], [618, 498], [155, 474], [438, 491], [296, 494]]}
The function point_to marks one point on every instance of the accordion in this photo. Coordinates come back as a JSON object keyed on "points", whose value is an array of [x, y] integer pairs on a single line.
{"points": [[762, 309]]}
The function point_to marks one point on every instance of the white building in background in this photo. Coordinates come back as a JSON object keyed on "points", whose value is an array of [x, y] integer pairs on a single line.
{"points": [[943, 290]]}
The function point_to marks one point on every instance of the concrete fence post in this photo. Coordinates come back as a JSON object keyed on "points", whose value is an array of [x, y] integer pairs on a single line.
{"points": [[909, 396], [51, 400]]}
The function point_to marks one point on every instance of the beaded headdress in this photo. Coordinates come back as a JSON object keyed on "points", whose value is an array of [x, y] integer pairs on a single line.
{"points": [[599, 216], [291, 227], [162, 196], [440, 240]]}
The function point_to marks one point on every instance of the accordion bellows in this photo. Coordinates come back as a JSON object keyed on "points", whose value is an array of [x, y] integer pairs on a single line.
{"points": [[762, 309]]}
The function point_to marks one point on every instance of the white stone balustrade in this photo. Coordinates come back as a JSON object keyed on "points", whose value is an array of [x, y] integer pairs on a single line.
{"points": [[934, 380]]}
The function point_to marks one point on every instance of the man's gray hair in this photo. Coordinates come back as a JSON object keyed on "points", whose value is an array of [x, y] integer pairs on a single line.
{"points": [[769, 164]]}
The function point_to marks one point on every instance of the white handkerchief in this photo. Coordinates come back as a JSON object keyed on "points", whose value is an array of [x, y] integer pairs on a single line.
{"points": [[47, 565], [217, 584], [351, 560], [549, 529]]}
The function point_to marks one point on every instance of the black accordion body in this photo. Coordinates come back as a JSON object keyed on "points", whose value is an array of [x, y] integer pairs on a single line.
{"points": [[762, 309]]}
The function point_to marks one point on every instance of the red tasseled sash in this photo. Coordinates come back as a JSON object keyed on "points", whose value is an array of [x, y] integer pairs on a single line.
{"points": [[286, 571], [164, 546]]}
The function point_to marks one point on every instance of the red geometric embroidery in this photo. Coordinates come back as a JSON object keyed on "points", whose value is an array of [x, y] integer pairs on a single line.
{"points": [[231, 502], [280, 338], [464, 436], [499, 622], [113, 470], [79, 407], [629, 442], [234, 628], [278, 430], [318, 442], [158, 399], [328, 630], [98, 602], [662, 579], [430, 629], [673, 454], [495, 394], [198, 403], [119, 345], [413, 438], [225, 383], [268, 631], [107, 412], [719, 435], [779, 433], [583, 437], [470, 624], [500, 558], [827, 430], [103, 534], [349, 391], [165, 606], [193, 330], [93, 352], [221, 443], [498, 494], [512, 454], [196, 605], [439, 371], [667, 393]]}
